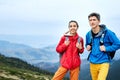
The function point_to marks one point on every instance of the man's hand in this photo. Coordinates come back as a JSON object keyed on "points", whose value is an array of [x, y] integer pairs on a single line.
{"points": [[88, 47], [102, 48]]}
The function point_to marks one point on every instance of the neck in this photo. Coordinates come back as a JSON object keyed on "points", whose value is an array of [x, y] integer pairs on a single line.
{"points": [[73, 34], [96, 29]]}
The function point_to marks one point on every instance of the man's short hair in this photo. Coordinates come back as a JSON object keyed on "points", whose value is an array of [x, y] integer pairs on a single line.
{"points": [[97, 15]]}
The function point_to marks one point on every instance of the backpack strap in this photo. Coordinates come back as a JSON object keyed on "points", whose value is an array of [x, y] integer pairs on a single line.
{"points": [[102, 43], [102, 38], [110, 54], [67, 38], [79, 39], [60, 55]]}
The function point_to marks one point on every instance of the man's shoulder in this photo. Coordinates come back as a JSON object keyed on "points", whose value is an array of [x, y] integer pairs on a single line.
{"points": [[88, 33], [108, 31]]}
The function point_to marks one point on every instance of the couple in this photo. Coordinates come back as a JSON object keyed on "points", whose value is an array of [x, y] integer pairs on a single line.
{"points": [[69, 47]]}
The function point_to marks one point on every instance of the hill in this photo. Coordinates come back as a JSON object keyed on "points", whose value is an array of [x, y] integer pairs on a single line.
{"points": [[16, 69]]}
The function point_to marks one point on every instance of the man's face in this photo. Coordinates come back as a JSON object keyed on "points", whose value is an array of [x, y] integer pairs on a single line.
{"points": [[73, 28], [94, 22]]}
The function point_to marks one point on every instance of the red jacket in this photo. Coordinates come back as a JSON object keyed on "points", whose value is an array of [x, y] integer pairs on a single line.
{"points": [[70, 58]]}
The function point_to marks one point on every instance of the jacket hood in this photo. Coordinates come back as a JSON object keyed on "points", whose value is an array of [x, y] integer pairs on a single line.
{"points": [[102, 29]]}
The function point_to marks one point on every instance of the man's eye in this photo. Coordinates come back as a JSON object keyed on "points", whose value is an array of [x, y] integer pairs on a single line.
{"points": [[94, 19], [74, 26], [90, 20], [70, 25]]}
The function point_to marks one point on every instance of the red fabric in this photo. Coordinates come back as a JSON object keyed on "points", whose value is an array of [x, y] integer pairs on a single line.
{"points": [[70, 58]]}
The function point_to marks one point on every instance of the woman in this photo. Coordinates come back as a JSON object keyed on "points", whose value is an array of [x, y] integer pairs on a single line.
{"points": [[69, 47]]}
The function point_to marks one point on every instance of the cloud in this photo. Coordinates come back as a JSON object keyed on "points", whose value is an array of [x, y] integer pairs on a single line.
{"points": [[36, 16]]}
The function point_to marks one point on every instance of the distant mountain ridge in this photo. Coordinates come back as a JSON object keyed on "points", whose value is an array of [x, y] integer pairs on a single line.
{"points": [[27, 53]]}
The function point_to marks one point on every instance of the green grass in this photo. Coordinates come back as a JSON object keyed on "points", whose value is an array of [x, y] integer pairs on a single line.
{"points": [[22, 74], [11, 70], [16, 69]]}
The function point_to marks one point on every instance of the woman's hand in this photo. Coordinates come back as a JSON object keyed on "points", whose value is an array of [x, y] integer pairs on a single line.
{"points": [[79, 45]]}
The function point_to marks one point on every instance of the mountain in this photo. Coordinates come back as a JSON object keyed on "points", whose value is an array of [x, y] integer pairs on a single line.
{"points": [[16, 69], [49, 66], [27, 53]]}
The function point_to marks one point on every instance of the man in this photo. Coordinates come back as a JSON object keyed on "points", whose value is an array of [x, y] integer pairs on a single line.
{"points": [[99, 53]]}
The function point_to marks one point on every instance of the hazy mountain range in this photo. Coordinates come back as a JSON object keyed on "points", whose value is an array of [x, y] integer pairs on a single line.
{"points": [[27, 53]]}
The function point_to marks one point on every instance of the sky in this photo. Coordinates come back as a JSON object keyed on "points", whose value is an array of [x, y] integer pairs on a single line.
{"points": [[51, 17]]}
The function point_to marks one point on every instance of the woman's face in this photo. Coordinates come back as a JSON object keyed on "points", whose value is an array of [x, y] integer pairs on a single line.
{"points": [[73, 28]]}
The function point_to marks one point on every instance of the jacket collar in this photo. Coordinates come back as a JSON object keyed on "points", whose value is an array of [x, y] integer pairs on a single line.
{"points": [[102, 29]]}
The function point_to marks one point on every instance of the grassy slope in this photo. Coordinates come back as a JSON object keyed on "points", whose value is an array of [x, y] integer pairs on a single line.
{"points": [[15, 69]]}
